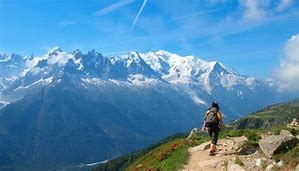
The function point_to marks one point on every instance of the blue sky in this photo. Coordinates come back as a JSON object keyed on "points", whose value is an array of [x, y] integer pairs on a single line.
{"points": [[247, 35]]}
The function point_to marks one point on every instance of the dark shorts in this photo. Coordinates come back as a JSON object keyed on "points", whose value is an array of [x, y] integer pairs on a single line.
{"points": [[213, 129]]}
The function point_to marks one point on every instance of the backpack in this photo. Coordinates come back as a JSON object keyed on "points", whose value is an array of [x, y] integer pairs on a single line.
{"points": [[211, 116]]}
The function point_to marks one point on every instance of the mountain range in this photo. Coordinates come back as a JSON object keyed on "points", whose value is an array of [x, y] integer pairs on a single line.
{"points": [[64, 109]]}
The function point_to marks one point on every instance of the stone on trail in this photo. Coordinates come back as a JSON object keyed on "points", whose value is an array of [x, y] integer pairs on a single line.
{"points": [[242, 151], [218, 155], [285, 133], [235, 167], [273, 143], [280, 163], [269, 167], [258, 162], [203, 146], [212, 163]]}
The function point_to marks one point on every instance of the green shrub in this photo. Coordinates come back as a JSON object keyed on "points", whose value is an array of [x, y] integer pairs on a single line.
{"points": [[252, 135], [225, 165], [291, 157], [197, 139], [276, 130], [249, 144], [238, 161], [231, 133]]}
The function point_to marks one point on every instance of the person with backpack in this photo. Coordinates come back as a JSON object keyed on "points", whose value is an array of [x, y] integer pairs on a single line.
{"points": [[213, 122]]}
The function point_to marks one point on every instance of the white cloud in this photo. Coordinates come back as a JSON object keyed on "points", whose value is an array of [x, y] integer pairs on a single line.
{"points": [[66, 23], [61, 58], [288, 69], [139, 12], [253, 10], [284, 4], [113, 7], [292, 48]]}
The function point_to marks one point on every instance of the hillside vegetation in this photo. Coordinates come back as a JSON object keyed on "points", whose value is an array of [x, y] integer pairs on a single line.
{"points": [[269, 117], [122, 162], [172, 153]]}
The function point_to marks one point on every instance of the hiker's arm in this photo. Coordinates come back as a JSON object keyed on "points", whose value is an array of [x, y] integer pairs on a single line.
{"points": [[204, 122], [220, 119]]}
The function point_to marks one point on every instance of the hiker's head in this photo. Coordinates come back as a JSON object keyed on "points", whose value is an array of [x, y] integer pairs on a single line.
{"points": [[215, 104]]}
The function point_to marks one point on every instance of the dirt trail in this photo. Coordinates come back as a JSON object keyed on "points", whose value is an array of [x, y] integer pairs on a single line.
{"points": [[225, 158]]}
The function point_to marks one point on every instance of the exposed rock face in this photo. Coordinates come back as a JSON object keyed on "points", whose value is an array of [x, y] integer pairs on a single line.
{"points": [[294, 122], [274, 143]]}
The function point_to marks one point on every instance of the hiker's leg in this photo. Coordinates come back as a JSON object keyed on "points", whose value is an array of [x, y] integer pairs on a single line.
{"points": [[216, 133], [210, 130], [211, 139], [214, 138]]}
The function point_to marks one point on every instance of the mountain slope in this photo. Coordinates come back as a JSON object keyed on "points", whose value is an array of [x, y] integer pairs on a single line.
{"points": [[271, 116], [49, 125], [48, 131], [201, 80], [70, 108], [10, 68]]}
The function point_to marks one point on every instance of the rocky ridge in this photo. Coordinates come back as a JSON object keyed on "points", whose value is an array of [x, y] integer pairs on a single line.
{"points": [[233, 155]]}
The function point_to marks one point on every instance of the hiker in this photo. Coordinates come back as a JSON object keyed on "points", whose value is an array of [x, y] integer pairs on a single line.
{"points": [[213, 123]]}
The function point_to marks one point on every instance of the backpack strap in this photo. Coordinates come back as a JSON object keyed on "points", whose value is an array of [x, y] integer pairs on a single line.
{"points": [[208, 111]]}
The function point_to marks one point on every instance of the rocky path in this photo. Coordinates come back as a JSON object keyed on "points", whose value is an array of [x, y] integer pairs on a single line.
{"points": [[229, 157]]}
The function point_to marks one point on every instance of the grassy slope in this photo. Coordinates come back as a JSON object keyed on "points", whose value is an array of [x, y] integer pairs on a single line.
{"points": [[171, 154], [168, 156], [272, 116], [120, 163]]}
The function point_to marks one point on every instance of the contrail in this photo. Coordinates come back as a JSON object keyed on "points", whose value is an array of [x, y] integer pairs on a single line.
{"points": [[113, 7], [196, 14], [139, 12]]}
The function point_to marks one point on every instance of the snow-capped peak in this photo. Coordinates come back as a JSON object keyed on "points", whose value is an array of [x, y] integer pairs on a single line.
{"points": [[164, 52], [54, 51], [160, 66], [76, 52], [134, 56], [57, 56]]}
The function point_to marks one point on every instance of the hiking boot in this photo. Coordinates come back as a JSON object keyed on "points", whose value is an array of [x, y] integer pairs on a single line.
{"points": [[213, 148], [212, 154]]}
